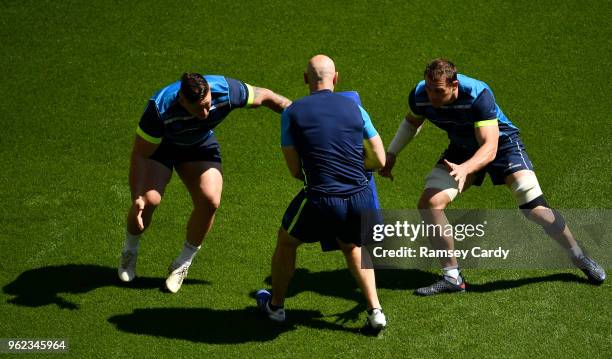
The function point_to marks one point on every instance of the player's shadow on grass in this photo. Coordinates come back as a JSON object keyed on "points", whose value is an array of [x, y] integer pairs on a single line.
{"points": [[204, 325], [43, 286], [504, 284], [339, 283]]}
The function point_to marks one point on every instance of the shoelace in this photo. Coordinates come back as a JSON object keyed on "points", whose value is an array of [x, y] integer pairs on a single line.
{"points": [[182, 273]]}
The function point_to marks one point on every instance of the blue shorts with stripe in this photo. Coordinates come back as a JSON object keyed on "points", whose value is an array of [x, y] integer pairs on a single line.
{"points": [[171, 155], [321, 218], [511, 157]]}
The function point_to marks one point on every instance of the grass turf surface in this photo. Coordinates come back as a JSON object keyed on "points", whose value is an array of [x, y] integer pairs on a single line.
{"points": [[76, 76]]}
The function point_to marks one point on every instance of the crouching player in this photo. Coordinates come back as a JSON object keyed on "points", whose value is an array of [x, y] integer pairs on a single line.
{"points": [[482, 140], [324, 138], [176, 133]]}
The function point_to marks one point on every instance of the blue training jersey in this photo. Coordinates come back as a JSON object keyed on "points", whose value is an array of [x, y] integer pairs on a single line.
{"points": [[475, 106], [327, 130], [164, 118]]}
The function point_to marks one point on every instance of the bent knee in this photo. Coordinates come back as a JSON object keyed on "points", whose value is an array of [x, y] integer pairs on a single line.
{"points": [[208, 201], [440, 190], [434, 199], [213, 203], [152, 198]]}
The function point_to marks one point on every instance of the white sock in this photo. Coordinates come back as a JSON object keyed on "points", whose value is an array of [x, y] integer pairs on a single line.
{"points": [[576, 251], [132, 242], [451, 272], [187, 254]]}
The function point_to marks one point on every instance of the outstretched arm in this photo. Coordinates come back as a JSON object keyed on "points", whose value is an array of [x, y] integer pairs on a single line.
{"points": [[406, 131], [270, 99]]}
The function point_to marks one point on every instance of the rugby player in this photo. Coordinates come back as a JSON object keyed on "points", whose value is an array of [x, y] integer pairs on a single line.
{"points": [[176, 132], [329, 143], [482, 140]]}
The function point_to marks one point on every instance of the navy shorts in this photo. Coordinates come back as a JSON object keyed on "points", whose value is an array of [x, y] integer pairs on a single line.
{"points": [[171, 155], [321, 218], [511, 157]]}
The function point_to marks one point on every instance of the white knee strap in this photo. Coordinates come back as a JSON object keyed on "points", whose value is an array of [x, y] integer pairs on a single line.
{"points": [[525, 189], [441, 179]]}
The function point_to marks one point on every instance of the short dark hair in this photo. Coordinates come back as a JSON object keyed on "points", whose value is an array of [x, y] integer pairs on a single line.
{"points": [[194, 87], [441, 69]]}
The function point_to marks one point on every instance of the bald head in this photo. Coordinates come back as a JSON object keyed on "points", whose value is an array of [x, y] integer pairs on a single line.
{"points": [[320, 73]]}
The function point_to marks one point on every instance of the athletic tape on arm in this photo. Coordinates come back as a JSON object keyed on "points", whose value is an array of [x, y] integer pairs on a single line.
{"points": [[405, 133]]}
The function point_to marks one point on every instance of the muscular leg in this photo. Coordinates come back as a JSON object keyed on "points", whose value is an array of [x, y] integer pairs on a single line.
{"points": [[542, 215], [365, 277], [283, 265], [440, 190], [204, 183], [432, 203], [529, 196], [431, 206], [156, 178]]}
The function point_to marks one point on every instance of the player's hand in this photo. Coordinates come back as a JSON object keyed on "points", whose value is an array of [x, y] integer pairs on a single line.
{"points": [[458, 172], [389, 164], [139, 205]]}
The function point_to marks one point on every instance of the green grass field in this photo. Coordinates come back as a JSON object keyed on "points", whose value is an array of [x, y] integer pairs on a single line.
{"points": [[76, 76]]}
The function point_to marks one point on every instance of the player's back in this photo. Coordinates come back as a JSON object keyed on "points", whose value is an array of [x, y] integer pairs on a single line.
{"points": [[327, 132]]}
